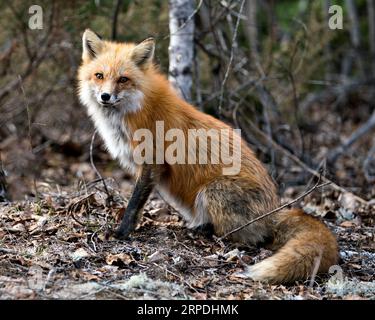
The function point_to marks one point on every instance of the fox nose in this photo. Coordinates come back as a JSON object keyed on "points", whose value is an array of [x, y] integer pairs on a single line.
{"points": [[105, 97]]}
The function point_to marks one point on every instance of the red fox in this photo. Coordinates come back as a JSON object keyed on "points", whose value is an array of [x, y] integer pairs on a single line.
{"points": [[124, 92]]}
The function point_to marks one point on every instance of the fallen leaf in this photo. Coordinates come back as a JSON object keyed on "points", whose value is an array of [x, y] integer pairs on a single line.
{"points": [[119, 259], [19, 227], [79, 254], [347, 224]]}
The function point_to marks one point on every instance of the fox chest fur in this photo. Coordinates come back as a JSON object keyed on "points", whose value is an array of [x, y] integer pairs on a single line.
{"points": [[111, 126]]}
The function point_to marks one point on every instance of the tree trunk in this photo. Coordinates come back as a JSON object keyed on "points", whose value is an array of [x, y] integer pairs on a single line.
{"points": [[371, 29], [355, 35], [327, 48], [354, 23], [116, 10], [181, 45], [252, 28]]}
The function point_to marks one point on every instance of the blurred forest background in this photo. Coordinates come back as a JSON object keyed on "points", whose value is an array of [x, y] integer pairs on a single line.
{"points": [[272, 68], [303, 95], [307, 87]]}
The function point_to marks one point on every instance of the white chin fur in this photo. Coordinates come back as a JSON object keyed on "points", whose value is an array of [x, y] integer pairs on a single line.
{"points": [[109, 121], [131, 101]]}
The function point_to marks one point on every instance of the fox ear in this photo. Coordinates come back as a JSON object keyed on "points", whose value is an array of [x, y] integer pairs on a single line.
{"points": [[143, 53], [92, 45]]}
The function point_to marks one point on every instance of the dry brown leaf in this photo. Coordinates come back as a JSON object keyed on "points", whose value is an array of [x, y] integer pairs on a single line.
{"points": [[119, 259], [348, 224], [79, 254], [19, 227]]}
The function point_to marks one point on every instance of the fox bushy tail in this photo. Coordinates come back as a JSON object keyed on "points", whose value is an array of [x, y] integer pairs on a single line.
{"points": [[304, 245]]}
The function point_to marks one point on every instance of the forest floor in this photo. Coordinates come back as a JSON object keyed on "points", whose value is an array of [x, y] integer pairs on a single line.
{"points": [[58, 247], [55, 243]]}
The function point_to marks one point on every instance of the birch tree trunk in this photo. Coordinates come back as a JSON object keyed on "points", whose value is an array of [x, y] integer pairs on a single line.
{"points": [[181, 45]]}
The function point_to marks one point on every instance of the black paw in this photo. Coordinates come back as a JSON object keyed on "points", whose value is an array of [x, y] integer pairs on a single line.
{"points": [[207, 230], [122, 234]]}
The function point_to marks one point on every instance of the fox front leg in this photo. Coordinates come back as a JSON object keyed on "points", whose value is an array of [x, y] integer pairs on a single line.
{"points": [[143, 187]]}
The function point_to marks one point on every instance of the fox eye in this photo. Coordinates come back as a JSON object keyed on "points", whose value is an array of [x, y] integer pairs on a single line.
{"points": [[99, 75], [123, 79]]}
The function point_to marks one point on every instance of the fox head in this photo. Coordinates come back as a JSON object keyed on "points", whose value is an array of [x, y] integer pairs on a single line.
{"points": [[113, 75]]}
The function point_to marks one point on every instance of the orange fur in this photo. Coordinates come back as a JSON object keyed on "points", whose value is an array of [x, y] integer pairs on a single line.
{"points": [[225, 201]]}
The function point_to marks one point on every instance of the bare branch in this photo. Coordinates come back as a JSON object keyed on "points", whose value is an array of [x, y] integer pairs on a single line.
{"points": [[34, 60], [109, 196], [116, 11], [234, 42], [354, 137]]}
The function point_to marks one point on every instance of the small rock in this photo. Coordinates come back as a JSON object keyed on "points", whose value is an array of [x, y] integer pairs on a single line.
{"points": [[79, 254], [348, 201], [19, 227]]}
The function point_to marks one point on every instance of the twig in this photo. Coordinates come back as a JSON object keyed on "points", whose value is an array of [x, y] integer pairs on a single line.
{"points": [[27, 107], [6, 250], [186, 22], [198, 91], [183, 244], [72, 207], [316, 186], [177, 276], [109, 197], [29, 125], [231, 58], [33, 64], [335, 92]]}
